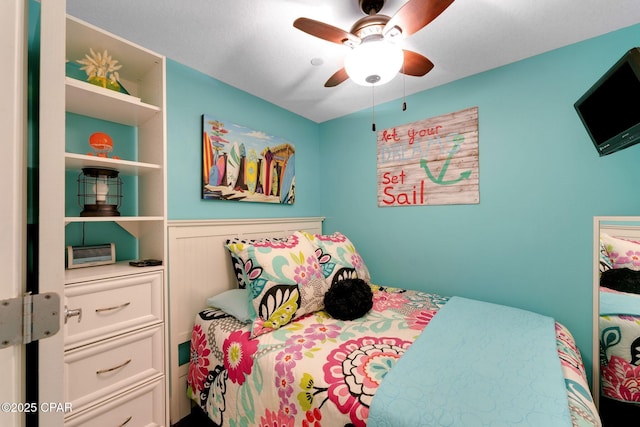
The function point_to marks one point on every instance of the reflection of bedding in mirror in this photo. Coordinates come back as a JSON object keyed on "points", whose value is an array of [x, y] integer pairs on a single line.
{"points": [[619, 322], [621, 280]]}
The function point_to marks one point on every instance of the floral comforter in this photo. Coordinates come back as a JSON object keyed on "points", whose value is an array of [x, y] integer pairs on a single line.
{"points": [[620, 348], [319, 371]]}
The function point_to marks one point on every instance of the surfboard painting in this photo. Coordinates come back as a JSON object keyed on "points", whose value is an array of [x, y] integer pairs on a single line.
{"points": [[241, 182], [242, 164], [233, 165], [251, 171], [221, 165], [287, 182], [207, 157], [274, 179], [265, 172]]}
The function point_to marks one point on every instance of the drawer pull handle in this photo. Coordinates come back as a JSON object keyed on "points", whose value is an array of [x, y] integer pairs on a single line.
{"points": [[126, 421], [104, 371], [117, 307]]}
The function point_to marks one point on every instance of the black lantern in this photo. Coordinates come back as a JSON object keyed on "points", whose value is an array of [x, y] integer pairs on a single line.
{"points": [[99, 192]]}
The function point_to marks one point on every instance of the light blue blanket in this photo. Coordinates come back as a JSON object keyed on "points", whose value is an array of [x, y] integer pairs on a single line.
{"points": [[614, 303], [476, 364]]}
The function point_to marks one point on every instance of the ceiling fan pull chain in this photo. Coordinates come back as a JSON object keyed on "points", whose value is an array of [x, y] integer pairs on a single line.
{"points": [[373, 109], [404, 89]]}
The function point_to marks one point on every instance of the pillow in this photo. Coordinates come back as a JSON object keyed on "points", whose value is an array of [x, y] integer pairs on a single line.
{"points": [[348, 299], [338, 257], [234, 302], [237, 250], [605, 261], [621, 280], [622, 252], [286, 282]]}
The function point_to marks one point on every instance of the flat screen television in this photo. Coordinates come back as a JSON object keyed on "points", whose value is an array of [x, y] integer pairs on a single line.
{"points": [[610, 109]]}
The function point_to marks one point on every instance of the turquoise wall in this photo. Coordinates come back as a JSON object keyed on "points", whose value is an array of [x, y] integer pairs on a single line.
{"points": [[190, 94], [528, 243]]}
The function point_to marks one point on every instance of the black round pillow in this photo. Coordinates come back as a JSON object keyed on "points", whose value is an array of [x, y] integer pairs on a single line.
{"points": [[348, 299]]}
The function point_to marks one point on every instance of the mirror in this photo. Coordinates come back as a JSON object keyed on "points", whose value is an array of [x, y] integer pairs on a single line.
{"points": [[616, 296]]}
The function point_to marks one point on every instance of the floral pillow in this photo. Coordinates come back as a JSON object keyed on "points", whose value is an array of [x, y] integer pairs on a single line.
{"points": [[286, 282], [622, 252], [605, 261], [338, 257], [237, 248]]}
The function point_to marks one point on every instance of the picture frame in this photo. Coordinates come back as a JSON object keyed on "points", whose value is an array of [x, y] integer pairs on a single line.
{"points": [[245, 165]]}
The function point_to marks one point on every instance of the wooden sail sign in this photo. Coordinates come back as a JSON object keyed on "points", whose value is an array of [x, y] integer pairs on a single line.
{"points": [[430, 162]]}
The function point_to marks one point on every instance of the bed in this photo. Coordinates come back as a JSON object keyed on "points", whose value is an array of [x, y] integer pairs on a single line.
{"points": [[619, 322], [312, 369]]}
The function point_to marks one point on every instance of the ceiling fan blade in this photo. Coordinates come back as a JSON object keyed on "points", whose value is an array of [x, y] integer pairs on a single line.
{"points": [[415, 64], [337, 78], [324, 31], [415, 15]]}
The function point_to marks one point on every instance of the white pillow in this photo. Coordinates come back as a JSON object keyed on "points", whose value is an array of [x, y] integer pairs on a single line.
{"points": [[622, 252]]}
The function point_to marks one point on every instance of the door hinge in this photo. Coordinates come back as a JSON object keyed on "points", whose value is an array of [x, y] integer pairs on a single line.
{"points": [[29, 318]]}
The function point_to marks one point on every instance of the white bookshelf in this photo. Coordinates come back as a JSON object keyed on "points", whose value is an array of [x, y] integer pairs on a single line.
{"points": [[112, 299]]}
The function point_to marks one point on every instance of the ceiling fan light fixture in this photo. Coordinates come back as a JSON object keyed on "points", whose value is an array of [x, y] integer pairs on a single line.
{"points": [[373, 62]]}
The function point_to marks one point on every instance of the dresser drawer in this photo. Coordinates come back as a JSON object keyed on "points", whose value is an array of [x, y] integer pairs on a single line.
{"points": [[143, 406], [98, 309], [96, 372]]}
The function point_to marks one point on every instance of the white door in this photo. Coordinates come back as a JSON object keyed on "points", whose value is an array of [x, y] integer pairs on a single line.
{"points": [[13, 166], [51, 184]]}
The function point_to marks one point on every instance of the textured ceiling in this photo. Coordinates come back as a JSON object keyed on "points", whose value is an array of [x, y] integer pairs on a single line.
{"points": [[252, 44]]}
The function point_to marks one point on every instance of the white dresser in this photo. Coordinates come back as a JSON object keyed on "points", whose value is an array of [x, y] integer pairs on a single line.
{"points": [[114, 345]]}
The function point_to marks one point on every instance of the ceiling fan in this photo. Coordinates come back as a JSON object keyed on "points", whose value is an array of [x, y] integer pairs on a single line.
{"points": [[375, 58]]}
